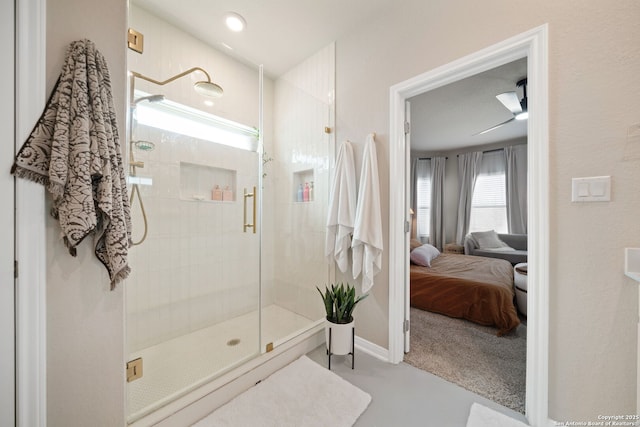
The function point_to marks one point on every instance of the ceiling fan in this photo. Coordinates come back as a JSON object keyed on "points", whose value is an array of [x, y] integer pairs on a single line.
{"points": [[517, 107]]}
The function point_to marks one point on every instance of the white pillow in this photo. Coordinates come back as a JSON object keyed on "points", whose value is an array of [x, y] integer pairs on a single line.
{"points": [[488, 240], [424, 254]]}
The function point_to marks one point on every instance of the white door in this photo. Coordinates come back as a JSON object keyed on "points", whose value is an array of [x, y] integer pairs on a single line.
{"points": [[408, 223], [7, 124]]}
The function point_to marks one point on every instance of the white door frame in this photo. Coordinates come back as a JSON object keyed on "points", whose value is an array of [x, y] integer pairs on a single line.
{"points": [[534, 46], [7, 245], [30, 233]]}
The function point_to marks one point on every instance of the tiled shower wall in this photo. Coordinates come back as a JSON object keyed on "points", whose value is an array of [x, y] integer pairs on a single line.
{"points": [[196, 266]]}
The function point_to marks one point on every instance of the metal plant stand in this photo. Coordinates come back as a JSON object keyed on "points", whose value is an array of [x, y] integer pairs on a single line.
{"points": [[352, 353]]}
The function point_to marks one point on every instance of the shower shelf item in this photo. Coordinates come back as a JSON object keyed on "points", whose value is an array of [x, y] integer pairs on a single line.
{"points": [[200, 182], [303, 186]]}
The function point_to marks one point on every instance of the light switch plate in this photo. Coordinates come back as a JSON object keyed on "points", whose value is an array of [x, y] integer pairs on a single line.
{"points": [[591, 189]]}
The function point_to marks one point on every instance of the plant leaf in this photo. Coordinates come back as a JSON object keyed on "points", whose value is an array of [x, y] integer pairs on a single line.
{"points": [[340, 301]]}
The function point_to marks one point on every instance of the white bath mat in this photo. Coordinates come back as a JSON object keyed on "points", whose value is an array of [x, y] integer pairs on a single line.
{"points": [[302, 394], [481, 416]]}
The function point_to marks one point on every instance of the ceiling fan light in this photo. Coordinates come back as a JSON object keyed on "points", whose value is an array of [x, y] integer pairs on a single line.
{"points": [[522, 116]]}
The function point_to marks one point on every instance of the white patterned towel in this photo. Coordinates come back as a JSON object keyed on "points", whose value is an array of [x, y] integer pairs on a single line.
{"points": [[74, 152]]}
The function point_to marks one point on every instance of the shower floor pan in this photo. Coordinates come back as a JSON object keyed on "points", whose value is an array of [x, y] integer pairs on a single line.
{"points": [[175, 367]]}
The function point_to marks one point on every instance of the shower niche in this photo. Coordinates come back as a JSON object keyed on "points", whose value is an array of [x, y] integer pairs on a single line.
{"points": [[207, 183], [303, 186]]}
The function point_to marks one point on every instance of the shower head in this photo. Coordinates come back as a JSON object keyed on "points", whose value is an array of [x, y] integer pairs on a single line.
{"points": [[150, 98], [203, 87], [209, 89]]}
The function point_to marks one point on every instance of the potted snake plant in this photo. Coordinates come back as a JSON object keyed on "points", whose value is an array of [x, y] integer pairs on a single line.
{"points": [[339, 303]]}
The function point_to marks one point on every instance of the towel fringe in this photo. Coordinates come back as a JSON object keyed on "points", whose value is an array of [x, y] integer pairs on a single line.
{"points": [[29, 175], [120, 276]]}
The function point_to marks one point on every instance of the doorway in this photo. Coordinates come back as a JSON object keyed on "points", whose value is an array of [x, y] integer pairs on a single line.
{"points": [[448, 336], [533, 46]]}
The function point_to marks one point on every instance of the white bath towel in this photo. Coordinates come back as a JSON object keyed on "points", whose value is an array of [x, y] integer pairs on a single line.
{"points": [[367, 236], [342, 208]]}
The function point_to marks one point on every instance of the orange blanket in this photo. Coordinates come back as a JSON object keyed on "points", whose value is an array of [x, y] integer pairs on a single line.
{"points": [[475, 288]]}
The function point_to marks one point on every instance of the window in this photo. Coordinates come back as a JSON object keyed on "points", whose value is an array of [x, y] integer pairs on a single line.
{"points": [[489, 203], [423, 198]]}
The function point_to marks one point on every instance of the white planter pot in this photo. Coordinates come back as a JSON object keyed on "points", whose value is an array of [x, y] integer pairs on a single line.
{"points": [[341, 337]]}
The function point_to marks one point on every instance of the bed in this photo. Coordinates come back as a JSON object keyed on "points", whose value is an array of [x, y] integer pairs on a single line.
{"points": [[475, 288]]}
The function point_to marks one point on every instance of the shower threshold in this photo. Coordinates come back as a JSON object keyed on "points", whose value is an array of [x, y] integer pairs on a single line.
{"points": [[175, 367]]}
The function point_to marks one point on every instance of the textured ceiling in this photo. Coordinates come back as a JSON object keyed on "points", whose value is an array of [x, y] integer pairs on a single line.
{"points": [[449, 117]]}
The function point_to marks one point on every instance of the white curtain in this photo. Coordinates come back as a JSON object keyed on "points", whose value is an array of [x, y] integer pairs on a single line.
{"points": [[414, 186], [516, 174], [422, 197], [468, 168], [437, 237]]}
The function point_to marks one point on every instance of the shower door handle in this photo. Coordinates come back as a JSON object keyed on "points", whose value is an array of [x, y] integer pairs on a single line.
{"points": [[254, 197]]}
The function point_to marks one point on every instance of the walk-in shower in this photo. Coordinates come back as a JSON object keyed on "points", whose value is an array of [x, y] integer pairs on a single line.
{"points": [[206, 294]]}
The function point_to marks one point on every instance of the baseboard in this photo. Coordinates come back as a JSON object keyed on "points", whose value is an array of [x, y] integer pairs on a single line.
{"points": [[372, 349]]}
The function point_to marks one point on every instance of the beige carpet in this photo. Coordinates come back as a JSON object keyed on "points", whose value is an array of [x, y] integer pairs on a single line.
{"points": [[471, 356]]}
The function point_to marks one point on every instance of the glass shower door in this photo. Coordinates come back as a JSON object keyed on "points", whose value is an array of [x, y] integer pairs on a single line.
{"points": [[296, 188], [193, 293]]}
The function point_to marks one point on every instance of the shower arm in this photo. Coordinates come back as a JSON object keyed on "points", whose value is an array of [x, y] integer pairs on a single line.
{"points": [[132, 79], [135, 74], [170, 79]]}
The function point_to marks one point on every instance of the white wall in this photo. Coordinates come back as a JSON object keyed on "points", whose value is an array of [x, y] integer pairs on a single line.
{"points": [[85, 320], [593, 99]]}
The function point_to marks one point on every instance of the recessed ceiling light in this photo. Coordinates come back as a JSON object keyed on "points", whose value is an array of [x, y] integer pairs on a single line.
{"points": [[208, 103], [235, 22]]}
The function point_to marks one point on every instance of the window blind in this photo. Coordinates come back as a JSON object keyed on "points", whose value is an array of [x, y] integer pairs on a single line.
{"points": [[423, 198], [489, 203]]}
